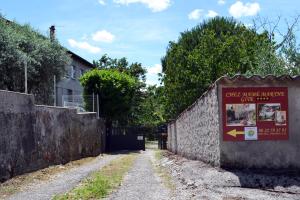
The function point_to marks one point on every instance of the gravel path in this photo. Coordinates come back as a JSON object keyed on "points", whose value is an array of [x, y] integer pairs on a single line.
{"points": [[62, 182], [197, 180], [142, 182]]}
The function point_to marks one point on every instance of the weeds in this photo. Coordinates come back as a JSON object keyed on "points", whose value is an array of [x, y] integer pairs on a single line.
{"points": [[102, 182]]}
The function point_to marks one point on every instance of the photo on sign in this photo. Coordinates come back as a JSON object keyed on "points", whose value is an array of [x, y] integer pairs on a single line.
{"points": [[266, 111], [280, 118], [240, 115]]}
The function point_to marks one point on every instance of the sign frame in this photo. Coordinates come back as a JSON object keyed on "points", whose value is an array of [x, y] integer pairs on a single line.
{"points": [[255, 113]]}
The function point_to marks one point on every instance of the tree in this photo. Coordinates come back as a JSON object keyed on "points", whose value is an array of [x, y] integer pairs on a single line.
{"points": [[116, 92], [134, 70], [151, 110], [290, 53], [217, 47], [20, 45], [283, 56]]}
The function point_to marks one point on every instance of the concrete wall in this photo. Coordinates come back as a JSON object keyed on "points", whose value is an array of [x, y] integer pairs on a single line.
{"points": [[195, 133], [33, 137], [278, 154], [172, 139]]}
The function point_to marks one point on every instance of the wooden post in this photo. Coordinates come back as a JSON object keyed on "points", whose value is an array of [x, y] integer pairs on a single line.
{"points": [[54, 85], [98, 109]]}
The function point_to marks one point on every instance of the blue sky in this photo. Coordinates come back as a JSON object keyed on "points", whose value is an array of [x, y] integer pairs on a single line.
{"points": [[137, 29]]}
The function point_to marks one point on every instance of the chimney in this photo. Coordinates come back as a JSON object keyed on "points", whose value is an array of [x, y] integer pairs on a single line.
{"points": [[52, 33]]}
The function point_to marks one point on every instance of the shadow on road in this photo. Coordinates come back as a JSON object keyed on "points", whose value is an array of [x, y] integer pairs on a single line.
{"points": [[268, 179]]}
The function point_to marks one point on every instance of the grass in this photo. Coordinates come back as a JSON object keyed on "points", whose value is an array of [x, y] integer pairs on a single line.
{"points": [[158, 155], [102, 182], [20, 182], [163, 172]]}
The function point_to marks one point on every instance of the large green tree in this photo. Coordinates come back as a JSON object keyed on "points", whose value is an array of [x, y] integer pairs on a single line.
{"points": [[116, 92], [217, 47], [136, 71], [20, 45]]}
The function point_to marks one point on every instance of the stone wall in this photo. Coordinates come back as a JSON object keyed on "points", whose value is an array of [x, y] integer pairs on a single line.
{"points": [[33, 137], [198, 132], [195, 133]]}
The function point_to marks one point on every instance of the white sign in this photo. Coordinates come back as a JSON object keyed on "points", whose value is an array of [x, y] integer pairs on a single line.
{"points": [[250, 133], [140, 138]]}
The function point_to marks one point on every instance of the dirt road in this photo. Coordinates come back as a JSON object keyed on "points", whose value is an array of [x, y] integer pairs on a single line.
{"points": [[142, 182], [190, 180], [61, 182]]}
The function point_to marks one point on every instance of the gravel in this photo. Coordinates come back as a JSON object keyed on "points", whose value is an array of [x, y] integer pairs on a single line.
{"points": [[63, 182], [142, 182], [192, 180], [197, 180]]}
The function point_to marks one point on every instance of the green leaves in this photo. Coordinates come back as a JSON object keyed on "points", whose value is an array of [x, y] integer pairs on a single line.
{"points": [[151, 110], [122, 65], [136, 72], [20, 45], [217, 47], [116, 91]]}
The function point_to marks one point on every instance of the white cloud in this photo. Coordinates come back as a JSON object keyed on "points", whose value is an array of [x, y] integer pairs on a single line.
{"points": [[195, 14], [152, 75], [239, 9], [103, 36], [154, 5], [102, 2], [157, 68], [212, 14], [221, 2], [84, 45]]}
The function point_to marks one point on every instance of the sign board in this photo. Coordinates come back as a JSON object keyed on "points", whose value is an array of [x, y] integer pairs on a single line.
{"points": [[140, 137], [259, 113]]}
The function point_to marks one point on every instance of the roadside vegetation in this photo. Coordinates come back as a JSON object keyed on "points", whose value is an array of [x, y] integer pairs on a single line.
{"points": [[20, 46], [124, 97], [18, 183], [102, 182], [216, 47], [224, 46], [162, 172]]}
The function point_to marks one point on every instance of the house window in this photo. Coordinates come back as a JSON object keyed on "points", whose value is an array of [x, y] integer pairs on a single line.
{"points": [[81, 72], [70, 95], [72, 73]]}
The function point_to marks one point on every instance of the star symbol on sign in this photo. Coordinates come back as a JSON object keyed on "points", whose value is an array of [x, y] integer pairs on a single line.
{"points": [[262, 98]]}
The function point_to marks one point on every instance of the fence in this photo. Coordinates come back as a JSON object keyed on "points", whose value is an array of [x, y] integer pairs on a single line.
{"points": [[83, 103]]}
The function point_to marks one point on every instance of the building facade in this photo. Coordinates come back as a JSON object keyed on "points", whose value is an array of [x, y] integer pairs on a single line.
{"points": [[69, 92]]}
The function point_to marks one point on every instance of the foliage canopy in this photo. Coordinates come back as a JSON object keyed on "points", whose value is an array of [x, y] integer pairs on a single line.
{"points": [[20, 45], [116, 92], [217, 47]]}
